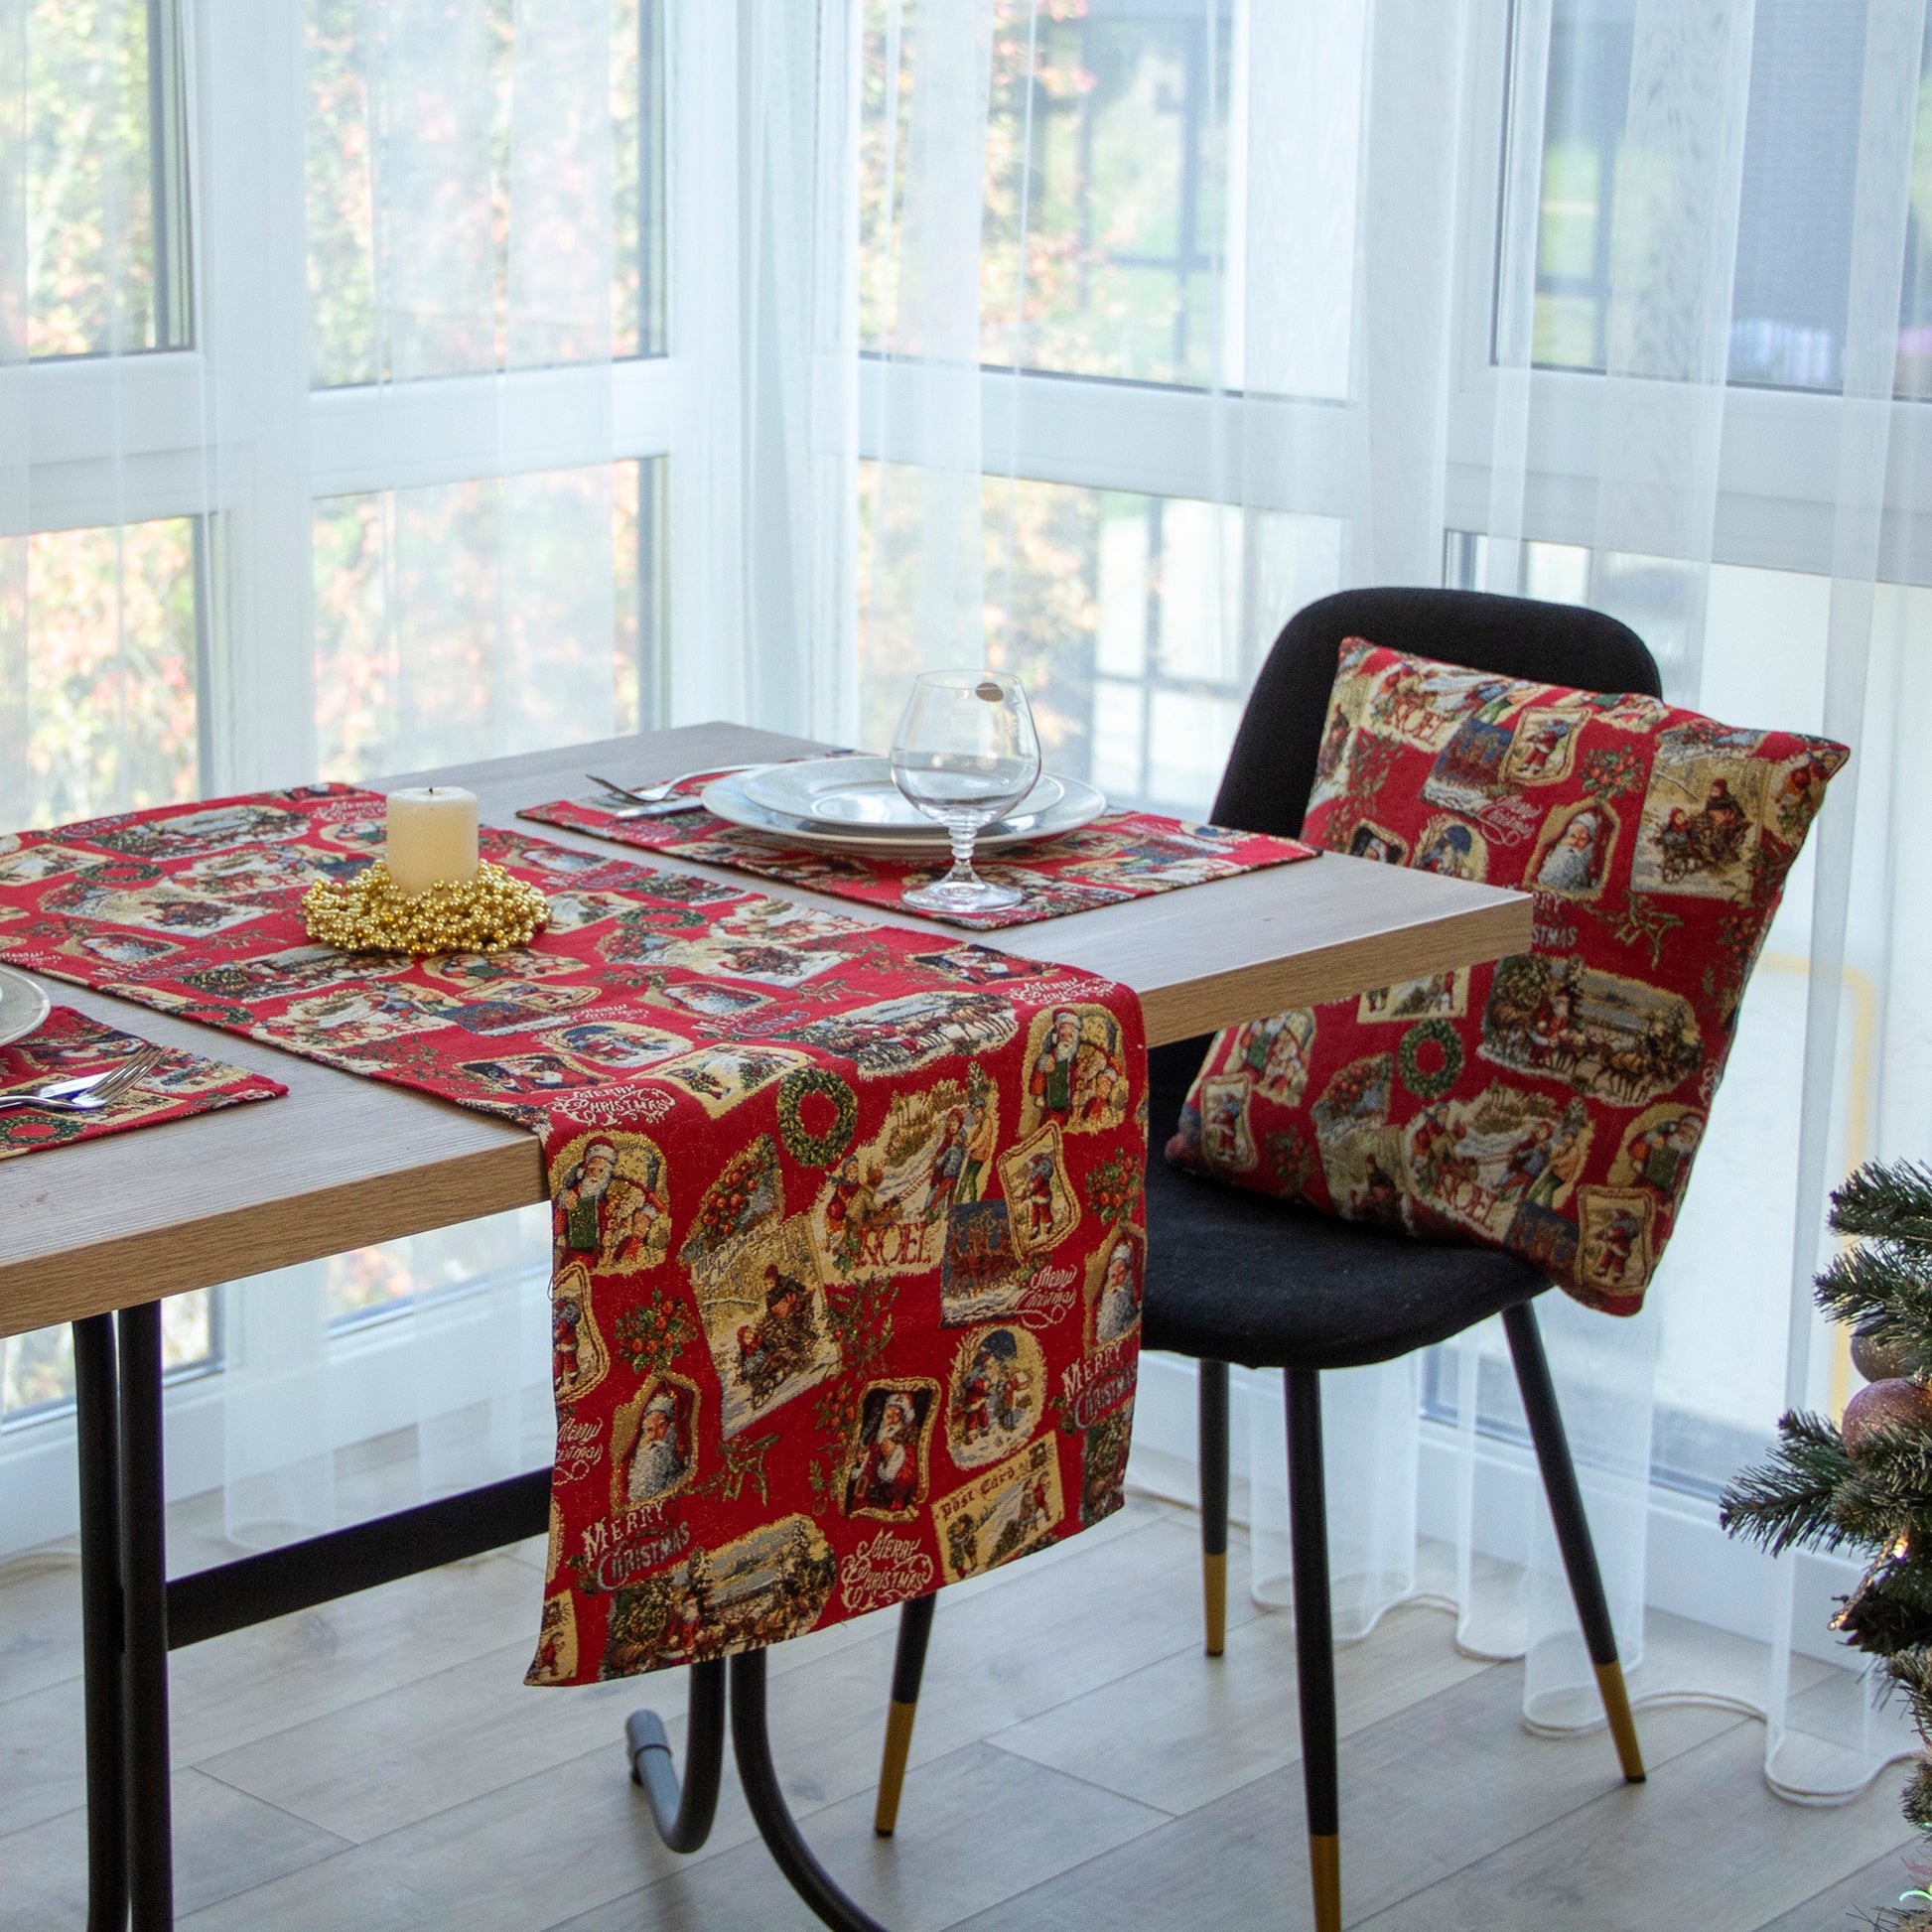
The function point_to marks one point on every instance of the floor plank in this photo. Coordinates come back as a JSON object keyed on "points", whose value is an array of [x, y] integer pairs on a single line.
{"points": [[377, 1765], [1424, 1792], [1852, 1901], [573, 1837], [1704, 1843], [1189, 1728], [1009, 1825], [224, 1842], [40, 1629]]}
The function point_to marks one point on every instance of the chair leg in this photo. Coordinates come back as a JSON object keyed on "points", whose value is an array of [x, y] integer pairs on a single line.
{"points": [[1315, 1648], [1573, 1529], [908, 1666], [1215, 1502]]}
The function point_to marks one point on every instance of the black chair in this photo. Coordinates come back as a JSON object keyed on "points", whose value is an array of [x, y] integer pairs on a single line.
{"points": [[1237, 1276]]}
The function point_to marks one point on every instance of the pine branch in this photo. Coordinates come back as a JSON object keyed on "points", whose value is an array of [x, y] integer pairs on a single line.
{"points": [[1792, 1498], [1891, 1202], [1881, 1282], [1890, 1616], [1911, 1670], [1888, 1490]]}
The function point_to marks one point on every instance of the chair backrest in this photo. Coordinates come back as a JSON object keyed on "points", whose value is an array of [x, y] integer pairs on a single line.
{"points": [[1271, 770]]}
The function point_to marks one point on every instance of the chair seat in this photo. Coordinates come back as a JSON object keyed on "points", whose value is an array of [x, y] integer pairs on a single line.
{"points": [[1238, 1277]]}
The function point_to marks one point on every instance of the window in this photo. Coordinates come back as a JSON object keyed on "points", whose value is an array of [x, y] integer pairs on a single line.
{"points": [[1105, 196], [116, 669], [408, 587], [37, 1369], [1795, 222], [211, 593], [106, 230], [414, 163]]}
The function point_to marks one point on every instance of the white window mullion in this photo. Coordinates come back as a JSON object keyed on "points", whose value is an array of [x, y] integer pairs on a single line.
{"points": [[246, 163]]}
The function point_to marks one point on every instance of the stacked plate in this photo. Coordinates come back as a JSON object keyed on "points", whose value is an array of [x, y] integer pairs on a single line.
{"points": [[851, 805], [22, 1006]]}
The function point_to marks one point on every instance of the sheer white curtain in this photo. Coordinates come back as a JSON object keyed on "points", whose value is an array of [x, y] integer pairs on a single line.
{"points": [[470, 356], [317, 458], [1407, 380], [1097, 338]]}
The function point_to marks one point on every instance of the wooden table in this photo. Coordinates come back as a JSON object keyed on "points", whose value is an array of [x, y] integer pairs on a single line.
{"points": [[119, 1223]]}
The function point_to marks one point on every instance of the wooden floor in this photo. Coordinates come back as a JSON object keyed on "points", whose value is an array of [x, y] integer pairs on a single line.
{"points": [[1077, 1763]]}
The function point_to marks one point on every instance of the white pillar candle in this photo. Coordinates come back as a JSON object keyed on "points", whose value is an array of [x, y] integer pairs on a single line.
{"points": [[432, 835]]}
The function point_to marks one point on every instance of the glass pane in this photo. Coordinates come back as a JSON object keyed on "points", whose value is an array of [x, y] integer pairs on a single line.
{"points": [[1794, 220], [380, 1281], [37, 1369], [111, 670], [473, 619], [411, 264], [1104, 193], [95, 282], [1128, 617]]}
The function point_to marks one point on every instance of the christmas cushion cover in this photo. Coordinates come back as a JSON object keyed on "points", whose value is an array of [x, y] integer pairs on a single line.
{"points": [[1551, 1104]]}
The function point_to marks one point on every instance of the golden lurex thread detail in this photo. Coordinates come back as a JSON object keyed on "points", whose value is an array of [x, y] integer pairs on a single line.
{"points": [[486, 913]]}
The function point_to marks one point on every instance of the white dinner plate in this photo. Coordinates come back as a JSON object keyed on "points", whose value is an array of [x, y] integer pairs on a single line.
{"points": [[838, 829], [857, 794], [22, 1006]]}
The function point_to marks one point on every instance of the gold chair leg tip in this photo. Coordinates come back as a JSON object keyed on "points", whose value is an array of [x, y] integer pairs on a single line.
{"points": [[891, 1767], [1214, 1600], [1325, 1874], [1623, 1725]]}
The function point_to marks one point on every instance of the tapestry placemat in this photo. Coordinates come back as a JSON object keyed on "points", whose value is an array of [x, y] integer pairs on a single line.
{"points": [[67, 1045], [846, 1221], [1119, 856]]}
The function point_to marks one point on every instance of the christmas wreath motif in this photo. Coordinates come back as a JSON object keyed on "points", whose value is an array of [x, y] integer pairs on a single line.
{"points": [[1423, 1082], [807, 1148]]}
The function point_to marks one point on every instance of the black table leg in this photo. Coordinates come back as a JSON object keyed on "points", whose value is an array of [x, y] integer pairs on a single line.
{"points": [[752, 1744], [683, 1812], [97, 1432], [144, 1581]]}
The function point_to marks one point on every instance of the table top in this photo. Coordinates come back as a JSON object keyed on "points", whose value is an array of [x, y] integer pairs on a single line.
{"points": [[344, 1162]]}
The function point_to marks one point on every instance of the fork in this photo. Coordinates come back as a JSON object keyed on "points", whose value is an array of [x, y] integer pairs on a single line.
{"points": [[661, 792], [659, 800], [87, 1093]]}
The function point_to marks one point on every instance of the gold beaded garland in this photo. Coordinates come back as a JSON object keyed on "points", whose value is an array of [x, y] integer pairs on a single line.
{"points": [[486, 913]]}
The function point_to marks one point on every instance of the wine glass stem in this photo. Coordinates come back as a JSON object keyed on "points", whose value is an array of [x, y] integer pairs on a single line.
{"points": [[962, 832]]}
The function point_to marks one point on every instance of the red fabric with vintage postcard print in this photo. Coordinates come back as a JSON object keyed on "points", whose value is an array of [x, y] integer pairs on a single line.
{"points": [[1120, 856], [1550, 1104], [848, 1234], [66, 1045]]}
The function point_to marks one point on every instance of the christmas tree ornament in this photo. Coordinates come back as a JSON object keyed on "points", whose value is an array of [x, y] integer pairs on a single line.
{"points": [[1895, 1402], [1880, 1355]]}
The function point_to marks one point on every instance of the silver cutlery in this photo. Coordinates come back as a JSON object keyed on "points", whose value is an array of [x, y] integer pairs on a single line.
{"points": [[660, 792], [659, 800], [88, 1092]]}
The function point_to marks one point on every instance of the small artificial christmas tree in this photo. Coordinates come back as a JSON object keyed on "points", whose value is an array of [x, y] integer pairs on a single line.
{"points": [[1867, 1484]]}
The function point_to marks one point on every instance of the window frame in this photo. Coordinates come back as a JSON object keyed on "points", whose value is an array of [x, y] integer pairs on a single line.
{"points": [[228, 431]]}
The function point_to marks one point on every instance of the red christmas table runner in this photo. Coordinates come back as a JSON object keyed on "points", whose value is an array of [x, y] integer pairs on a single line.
{"points": [[847, 1222], [1121, 855], [67, 1045]]}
